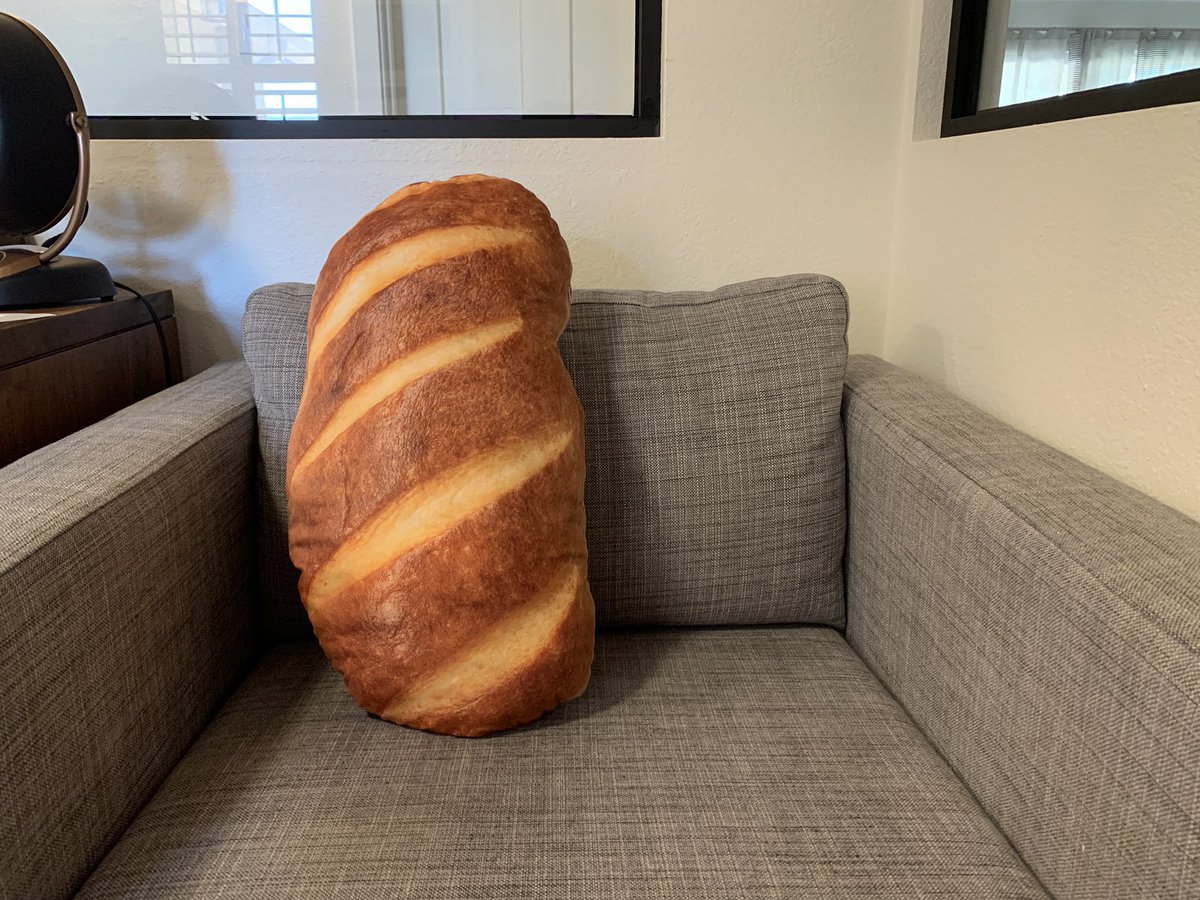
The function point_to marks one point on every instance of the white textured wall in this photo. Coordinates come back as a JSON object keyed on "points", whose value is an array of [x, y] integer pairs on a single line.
{"points": [[1051, 275], [1048, 274], [778, 155]]}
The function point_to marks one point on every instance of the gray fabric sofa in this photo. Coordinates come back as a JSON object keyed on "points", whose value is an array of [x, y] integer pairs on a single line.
{"points": [[858, 640]]}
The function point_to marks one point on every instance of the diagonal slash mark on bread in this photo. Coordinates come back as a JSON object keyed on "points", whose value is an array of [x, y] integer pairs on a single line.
{"points": [[503, 650], [399, 260], [435, 507], [404, 193], [421, 187], [400, 374]]}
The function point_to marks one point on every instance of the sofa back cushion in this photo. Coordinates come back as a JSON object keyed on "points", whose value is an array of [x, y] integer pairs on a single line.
{"points": [[715, 460]]}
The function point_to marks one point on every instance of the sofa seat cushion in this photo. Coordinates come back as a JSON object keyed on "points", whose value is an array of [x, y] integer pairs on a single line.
{"points": [[754, 762]]}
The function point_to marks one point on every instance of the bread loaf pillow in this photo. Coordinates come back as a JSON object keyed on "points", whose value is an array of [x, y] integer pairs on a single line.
{"points": [[435, 469]]}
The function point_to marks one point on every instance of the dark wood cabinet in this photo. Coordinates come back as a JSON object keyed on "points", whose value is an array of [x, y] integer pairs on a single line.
{"points": [[66, 370]]}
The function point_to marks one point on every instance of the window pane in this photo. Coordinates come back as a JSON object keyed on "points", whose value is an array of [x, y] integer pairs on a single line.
{"points": [[283, 100], [259, 25], [260, 46], [295, 24], [376, 57], [295, 7], [297, 45], [1037, 49]]}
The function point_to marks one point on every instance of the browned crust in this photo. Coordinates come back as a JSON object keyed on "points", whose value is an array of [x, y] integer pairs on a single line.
{"points": [[435, 423], [401, 621], [559, 675], [467, 200], [391, 629]]}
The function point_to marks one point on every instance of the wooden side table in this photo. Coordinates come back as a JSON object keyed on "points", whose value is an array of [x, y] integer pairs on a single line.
{"points": [[64, 371]]}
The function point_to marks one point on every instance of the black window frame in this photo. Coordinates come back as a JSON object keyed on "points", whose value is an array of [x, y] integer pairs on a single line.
{"points": [[644, 122], [964, 69]]}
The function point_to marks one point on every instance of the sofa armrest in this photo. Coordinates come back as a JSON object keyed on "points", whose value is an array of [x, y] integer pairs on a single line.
{"points": [[1041, 623], [125, 561]]}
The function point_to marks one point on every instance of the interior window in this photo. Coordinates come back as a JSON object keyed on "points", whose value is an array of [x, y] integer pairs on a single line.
{"points": [[312, 68], [1073, 57]]}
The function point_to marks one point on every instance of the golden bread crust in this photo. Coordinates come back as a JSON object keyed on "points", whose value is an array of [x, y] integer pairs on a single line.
{"points": [[435, 470]]}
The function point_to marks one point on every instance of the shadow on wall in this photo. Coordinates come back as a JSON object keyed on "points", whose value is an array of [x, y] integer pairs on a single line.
{"points": [[923, 351], [598, 264], [179, 215], [153, 228]]}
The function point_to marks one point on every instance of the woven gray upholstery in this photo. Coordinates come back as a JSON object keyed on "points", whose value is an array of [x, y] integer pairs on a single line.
{"points": [[275, 343], [124, 572], [1041, 623], [746, 763], [715, 461]]}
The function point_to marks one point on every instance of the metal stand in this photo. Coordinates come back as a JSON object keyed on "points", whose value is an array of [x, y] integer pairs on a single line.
{"points": [[63, 281], [38, 276]]}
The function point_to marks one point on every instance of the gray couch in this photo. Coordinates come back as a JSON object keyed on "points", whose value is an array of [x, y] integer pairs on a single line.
{"points": [[858, 640]]}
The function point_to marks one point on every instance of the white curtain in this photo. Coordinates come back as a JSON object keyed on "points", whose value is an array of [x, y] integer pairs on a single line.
{"points": [[1111, 58], [1049, 62], [1169, 50], [1035, 65]]}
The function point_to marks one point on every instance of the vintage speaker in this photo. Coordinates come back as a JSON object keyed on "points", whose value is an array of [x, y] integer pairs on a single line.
{"points": [[44, 168]]}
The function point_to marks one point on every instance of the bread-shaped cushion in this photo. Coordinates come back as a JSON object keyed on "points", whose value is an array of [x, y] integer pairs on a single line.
{"points": [[435, 469]]}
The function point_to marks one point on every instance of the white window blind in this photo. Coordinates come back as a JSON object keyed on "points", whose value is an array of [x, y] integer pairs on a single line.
{"points": [[1050, 62]]}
